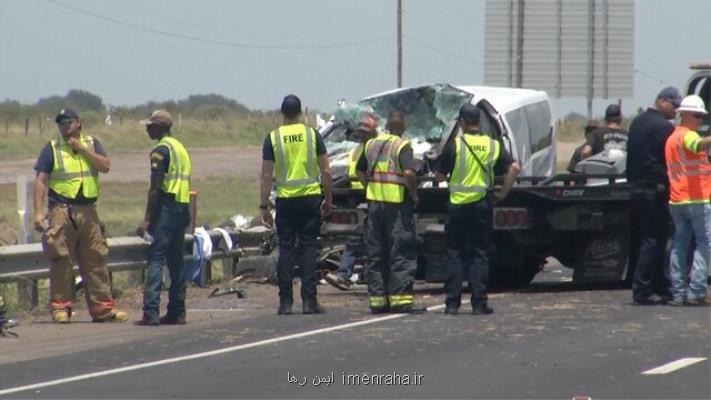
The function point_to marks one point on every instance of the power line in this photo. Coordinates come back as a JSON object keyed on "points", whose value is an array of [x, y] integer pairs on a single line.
{"points": [[189, 23], [438, 50], [216, 41], [652, 77]]}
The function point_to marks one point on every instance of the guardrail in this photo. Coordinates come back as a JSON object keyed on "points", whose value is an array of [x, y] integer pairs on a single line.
{"points": [[25, 264]]}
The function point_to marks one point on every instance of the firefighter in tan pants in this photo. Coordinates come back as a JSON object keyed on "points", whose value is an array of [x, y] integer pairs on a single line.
{"points": [[68, 171]]}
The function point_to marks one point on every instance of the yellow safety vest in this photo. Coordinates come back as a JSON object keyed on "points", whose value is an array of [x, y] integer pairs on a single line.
{"points": [[469, 182], [295, 161], [386, 182], [177, 179], [353, 158], [72, 171]]}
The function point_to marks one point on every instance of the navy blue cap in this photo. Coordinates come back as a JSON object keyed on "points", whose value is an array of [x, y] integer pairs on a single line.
{"points": [[613, 111], [469, 113], [672, 94], [66, 113], [291, 105]]}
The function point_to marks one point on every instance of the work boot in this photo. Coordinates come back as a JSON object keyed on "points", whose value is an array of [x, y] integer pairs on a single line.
{"points": [[172, 319], [312, 307], [379, 310], [451, 310], [408, 309], [338, 281], [147, 321], [651, 300], [702, 302], [482, 310], [61, 316], [284, 309], [112, 316]]}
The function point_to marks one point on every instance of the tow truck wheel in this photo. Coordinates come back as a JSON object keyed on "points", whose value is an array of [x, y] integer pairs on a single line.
{"points": [[514, 275]]}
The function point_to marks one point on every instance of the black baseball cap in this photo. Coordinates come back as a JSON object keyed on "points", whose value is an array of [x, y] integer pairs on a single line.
{"points": [[672, 94], [291, 105], [65, 113], [469, 113], [613, 111]]}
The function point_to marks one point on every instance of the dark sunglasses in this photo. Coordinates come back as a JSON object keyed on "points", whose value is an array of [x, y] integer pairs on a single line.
{"points": [[66, 122], [698, 116]]}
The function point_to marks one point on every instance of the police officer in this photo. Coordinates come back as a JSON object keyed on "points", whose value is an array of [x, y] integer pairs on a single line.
{"points": [[471, 161], [387, 169], [68, 171], [367, 129], [647, 175], [293, 155], [166, 219]]}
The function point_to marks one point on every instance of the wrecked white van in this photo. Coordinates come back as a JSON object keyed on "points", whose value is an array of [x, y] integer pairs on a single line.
{"points": [[520, 119]]}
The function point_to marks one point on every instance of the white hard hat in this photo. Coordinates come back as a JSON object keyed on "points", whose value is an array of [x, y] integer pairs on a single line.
{"points": [[692, 104]]}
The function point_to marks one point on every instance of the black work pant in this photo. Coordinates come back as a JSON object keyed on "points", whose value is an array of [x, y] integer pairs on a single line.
{"points": [[468, 233], [297, 217], [650, 232], [392, 254]]}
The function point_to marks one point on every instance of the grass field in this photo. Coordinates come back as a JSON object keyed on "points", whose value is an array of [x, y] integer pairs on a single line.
{"points": [[131, 135], [121, 205]]}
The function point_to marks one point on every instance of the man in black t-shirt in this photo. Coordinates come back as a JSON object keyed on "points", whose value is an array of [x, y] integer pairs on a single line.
{"points": [[610, 137]]}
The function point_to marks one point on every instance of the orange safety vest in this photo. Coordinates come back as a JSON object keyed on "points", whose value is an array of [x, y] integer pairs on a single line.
{"points": [[689, 173]]}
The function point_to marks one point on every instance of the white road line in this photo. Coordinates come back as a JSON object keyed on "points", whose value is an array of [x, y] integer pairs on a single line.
{"points": [[195, 356], [214, 309], [674, 366]]}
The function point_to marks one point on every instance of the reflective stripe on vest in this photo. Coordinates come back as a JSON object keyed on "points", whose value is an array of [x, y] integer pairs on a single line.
{"points": [[386, 182], [296, 169], [468, 182], [353, 158], [689, 173], [72, 171], [177, 178]]}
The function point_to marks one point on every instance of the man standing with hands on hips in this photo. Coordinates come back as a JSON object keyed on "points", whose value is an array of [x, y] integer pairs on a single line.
{"points": [[294, 157], [387, 170], [68, 171]]}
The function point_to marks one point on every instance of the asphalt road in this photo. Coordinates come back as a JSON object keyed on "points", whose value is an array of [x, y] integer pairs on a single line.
{"points": [[555, 340]]}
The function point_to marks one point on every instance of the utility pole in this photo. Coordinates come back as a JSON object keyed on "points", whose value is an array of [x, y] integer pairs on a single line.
{"points": [[519, 47], [590, 88], [399, 43]]}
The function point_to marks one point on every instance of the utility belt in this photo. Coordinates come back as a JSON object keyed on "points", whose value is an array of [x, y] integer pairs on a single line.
{"points": [[649, 186]]}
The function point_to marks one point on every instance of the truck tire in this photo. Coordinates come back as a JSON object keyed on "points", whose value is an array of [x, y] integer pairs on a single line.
{"points": [[514, 275]]}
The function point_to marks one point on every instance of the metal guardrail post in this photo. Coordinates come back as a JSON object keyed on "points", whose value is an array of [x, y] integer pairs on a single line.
{"points": [[193, 210], [28, 292]]}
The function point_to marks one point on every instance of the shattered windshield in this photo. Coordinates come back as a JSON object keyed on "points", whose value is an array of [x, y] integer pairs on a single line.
{"points": [[430, 112]]}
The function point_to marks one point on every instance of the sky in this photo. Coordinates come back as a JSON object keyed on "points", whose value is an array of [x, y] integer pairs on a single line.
{"points": [[256, 51]]}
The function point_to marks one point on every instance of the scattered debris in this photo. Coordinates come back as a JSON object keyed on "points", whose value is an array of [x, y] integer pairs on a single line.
{"points": [[224, 291]]}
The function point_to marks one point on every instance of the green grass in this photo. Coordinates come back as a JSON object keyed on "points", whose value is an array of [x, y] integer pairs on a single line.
{"points": [[131, 135], [121, 205]]}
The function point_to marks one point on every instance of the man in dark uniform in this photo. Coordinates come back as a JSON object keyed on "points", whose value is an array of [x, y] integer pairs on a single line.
{"points": [[646, 172], [387, 171], [294, 157], [471, 161], [166, 219]]}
